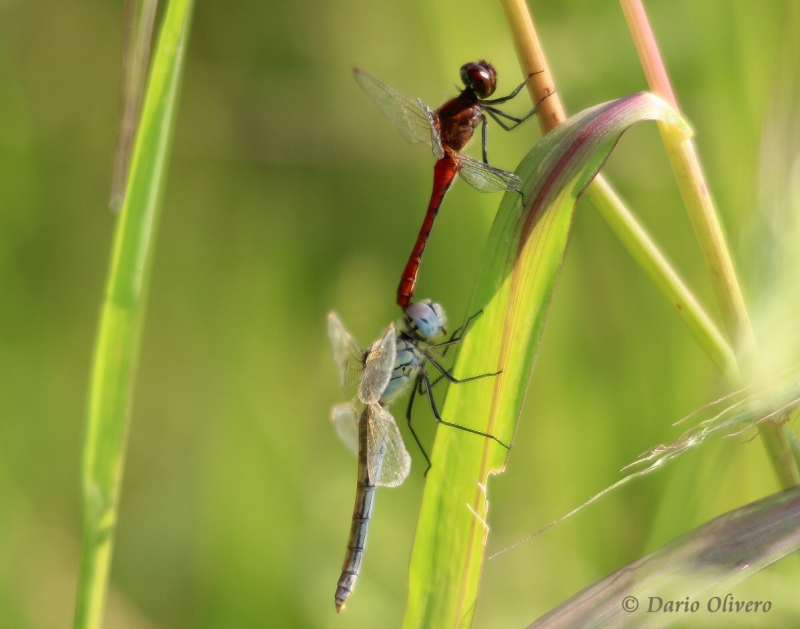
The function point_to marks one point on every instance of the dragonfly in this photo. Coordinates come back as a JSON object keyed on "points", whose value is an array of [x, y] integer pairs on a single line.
{"points": [[448, 130], [383, 372]]}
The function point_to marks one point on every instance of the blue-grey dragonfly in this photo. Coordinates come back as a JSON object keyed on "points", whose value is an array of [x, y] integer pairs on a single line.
{"points": [[382, 372]]}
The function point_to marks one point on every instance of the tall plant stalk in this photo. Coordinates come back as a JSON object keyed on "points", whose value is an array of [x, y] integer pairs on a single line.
{"points": [[700, 208], [698, 202], [620, 219]]}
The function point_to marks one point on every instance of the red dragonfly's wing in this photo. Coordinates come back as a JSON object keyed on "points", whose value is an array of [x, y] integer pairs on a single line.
{"points": [[485, 178], [433, 120], [347, 353], [346, 421], [378, 367], [407, 115], [388, 460]]}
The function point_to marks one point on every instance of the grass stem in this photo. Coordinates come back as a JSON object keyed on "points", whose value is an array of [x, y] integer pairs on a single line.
{"points": [[121, 318], [697, 199], [613, 210]]}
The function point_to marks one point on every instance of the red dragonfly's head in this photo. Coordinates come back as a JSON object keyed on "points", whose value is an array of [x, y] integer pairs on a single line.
{"points": [[481, 77]]}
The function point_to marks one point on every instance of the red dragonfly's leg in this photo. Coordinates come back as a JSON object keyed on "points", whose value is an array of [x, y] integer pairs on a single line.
{"points": [[485, 139], [496, 113], [444, 172], [517, 90]]}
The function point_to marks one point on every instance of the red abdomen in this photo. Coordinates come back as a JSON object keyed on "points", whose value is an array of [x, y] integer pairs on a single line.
{"points": [[444, 172]]}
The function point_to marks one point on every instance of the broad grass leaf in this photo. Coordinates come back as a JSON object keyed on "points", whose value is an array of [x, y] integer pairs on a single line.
{"points": [[520, 267]]}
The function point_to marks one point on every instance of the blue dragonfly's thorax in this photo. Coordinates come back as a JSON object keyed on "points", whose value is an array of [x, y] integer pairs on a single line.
{"points": [[424, 324], [408, 360]]}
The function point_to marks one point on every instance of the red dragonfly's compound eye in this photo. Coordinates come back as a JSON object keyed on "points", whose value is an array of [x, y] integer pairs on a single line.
{"points": [[481, 77]]}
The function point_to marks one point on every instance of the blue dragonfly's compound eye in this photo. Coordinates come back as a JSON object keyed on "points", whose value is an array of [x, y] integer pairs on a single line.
{"points": [[427, 318]]}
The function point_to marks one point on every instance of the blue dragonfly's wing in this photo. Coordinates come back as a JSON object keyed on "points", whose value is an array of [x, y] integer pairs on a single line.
{"points": [[378, 367], [347, 353], [388, 460]]}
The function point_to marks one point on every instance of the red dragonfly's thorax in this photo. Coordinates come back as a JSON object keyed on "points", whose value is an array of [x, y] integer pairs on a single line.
{"points": [[458, 119]]}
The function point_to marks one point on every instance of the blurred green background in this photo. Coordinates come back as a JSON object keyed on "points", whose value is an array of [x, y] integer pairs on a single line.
{"points": [[290, 195]]}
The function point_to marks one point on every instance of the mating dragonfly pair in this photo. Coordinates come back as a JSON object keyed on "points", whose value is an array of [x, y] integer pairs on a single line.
{"points": [[397, 360]]}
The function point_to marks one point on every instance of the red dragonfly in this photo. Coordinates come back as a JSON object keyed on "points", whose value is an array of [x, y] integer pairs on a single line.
{"points": [[448, 130]]}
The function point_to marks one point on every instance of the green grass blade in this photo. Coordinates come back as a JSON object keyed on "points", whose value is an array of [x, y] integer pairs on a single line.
{"points": [[708, 560], [113, 368], [520, 268]]}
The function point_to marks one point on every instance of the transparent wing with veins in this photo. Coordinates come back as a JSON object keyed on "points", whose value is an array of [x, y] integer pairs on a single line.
{"points": [[378, 367], [433, 121], [485, 178], [347, 353], [412, 118], [346, 421], [388, 460]]}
